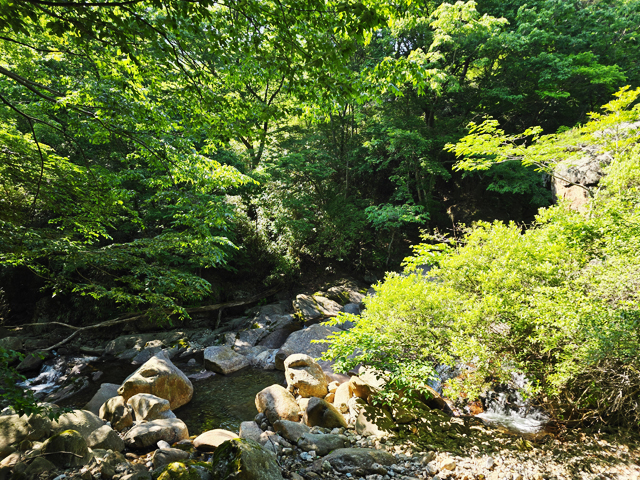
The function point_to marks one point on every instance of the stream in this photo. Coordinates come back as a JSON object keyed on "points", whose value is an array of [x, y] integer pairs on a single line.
{"points": [[225, 402], [218, 401]]}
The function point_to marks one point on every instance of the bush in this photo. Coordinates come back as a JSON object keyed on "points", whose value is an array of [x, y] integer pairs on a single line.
{"points": [[559, 303]]}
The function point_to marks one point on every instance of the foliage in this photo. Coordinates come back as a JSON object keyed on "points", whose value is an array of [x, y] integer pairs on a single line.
{"points": [[116, 123], [558, 302]]}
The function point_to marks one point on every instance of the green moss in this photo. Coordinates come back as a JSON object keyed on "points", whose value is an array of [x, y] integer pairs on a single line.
{"points": [[188, 470]]}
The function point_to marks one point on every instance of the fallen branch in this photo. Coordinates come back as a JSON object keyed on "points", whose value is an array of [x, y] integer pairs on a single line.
{"points": [[138, 315]]}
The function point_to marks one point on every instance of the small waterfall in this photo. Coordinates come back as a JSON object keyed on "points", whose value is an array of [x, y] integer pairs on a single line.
{"points": [[508, 408], [55, 373]]}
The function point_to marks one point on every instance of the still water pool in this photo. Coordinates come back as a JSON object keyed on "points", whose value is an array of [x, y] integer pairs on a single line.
{"points": [[226, 401]]}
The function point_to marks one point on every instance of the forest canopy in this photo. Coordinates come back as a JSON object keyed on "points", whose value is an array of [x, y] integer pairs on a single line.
{"points": [[148, 147]]}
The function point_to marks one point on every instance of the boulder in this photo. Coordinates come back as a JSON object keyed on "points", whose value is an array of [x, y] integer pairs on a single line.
{"points": [[67, 449], [250, 337], [161, 378], [82, 421], [145, 354], [242, 459], [223, 359], [357, 461], [165, 456], [37, 466], [361, 389], [292, 431], [268, 439], [32, 361], [373, 378], [346, 293], [131, 345], [374, 421], [251, 431], [322, 414], [106, 439], [11, 343], [212, 439], [304, 376], [138, 475], [117, 412], [341, 400], [184, 471], [277, 404], [281, 356], [302, 341], [571, 174], [148, 407], [104, 393], [315, 307], [146, 434], [277, 337], [265, 360], [16, 428], [322, 443], [353, 309]]}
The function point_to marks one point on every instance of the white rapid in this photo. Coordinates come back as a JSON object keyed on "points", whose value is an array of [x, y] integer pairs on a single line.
{"points": [[54, 373], [511, 410]]}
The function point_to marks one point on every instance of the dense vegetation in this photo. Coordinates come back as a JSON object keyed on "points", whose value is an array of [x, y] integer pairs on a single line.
{"points": [[558, 302], [147, 145]]}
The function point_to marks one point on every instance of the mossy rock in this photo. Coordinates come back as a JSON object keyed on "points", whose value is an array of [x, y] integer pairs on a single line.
{"points": [[242, 459], [67, 449], [185, 471]]}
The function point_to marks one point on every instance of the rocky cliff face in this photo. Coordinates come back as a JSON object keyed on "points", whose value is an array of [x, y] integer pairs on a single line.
{"points": [[573, 178]]}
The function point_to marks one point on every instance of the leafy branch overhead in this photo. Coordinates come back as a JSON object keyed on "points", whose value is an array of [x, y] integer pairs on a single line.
{"points": [[487, 145]]}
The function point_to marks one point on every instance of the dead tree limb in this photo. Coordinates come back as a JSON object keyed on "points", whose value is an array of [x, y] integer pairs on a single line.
{"points": [[138, 315]]}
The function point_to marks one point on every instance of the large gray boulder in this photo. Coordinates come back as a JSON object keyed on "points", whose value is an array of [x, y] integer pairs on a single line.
{"points": [[303, 341], [105, 438], [315, 307], [165, 456], [83, 421], [304, 376], [322, 443], [222, 359], [277, 404], [374, 421], [104, 393], [67, 449], [292, 431], [16, 428], [276, 338], [357, 461], [146, 434], [129, 346], [250, 431], [159, 377], [242, 459], [11, 343]]}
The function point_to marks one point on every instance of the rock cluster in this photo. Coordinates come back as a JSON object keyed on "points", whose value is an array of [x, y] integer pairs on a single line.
{"points": [[321, 425]]}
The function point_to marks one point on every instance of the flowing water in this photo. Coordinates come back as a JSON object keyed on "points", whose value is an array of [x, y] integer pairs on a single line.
{"points": [[506, 408], [218, 401]]}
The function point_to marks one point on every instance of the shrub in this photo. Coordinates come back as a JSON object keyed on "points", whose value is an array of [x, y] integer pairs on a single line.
{"points": [[559, 303]]}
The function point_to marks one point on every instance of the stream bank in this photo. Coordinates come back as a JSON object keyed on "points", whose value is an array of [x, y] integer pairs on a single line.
{"points": [[228, 368]]}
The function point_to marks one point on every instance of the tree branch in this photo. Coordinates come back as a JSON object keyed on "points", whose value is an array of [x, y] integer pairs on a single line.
{"points": [[139, 315]]}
